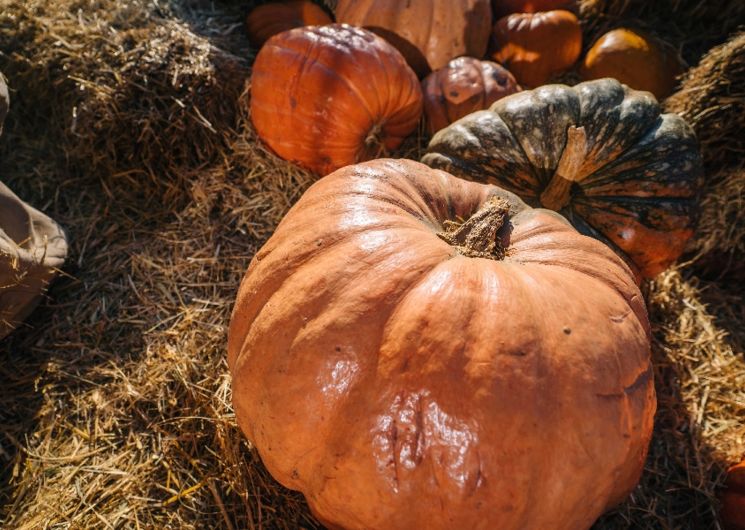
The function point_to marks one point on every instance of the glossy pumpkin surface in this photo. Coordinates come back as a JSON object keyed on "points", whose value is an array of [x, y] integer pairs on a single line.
{"points": [[413, 350], [600, 153], [537, 46], [267, 20], [635, 59], [464, 86], [325, 97], [429, 33], [733, 499], [507, 7]]}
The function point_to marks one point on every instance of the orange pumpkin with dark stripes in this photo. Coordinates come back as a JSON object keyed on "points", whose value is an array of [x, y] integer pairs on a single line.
{"points": [[329, 96], [600, 153]]}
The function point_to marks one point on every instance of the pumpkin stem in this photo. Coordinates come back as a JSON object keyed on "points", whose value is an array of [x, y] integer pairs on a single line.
{"points": [[477, 236], [558, 192], [374, 143]]}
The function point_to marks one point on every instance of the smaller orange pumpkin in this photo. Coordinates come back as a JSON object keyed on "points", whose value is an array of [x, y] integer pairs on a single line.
{"points": [[537, 46], [265, 21], [464, 86], [733, 499], [507, 7], [325, 97], [635, 59]]}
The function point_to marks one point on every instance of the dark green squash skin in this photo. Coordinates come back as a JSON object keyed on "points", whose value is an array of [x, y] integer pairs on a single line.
{"points": [[632, 176]]}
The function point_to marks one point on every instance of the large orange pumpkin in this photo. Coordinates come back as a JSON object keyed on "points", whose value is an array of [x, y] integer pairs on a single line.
{"points": [[537, 46], [635, 59], [464, 86], [428, 32], [733, 499], [412, 350], [599, 152], [330, 96], [267, 20], [507, 7]]}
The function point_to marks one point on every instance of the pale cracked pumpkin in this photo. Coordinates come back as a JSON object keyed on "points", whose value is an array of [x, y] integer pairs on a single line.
{"points": [[413, 350], [599, 152]]}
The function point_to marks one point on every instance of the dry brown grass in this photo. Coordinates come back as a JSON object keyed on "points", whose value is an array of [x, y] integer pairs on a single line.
{"points": [[114, 400], [712, 99]]}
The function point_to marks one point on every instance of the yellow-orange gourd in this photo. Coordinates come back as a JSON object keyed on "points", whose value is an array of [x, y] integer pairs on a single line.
{"points": [[635, 59]]}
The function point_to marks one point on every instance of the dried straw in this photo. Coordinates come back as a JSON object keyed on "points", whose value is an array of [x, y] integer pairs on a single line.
{"points": [[712, 100], [114, 399]]}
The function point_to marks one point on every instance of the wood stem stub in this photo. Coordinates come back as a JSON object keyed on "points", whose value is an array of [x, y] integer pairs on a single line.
{"points": [[477, 236], [558, 192]]}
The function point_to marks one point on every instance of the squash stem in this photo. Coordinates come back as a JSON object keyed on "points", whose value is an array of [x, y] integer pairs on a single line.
{"points": [[478, 237], [558, 192]]}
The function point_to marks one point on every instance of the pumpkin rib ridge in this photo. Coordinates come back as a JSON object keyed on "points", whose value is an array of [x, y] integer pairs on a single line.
{"points": [[592, 274], [269, 283], [313, 61]]}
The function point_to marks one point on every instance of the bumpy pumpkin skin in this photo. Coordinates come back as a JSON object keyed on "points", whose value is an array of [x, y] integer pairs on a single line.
{"points": [[635, 60], [463, 86], [400, 384], [599, 152], [326, 97], [507, 7], [733, 499], [429, 33], [267, 20], [537, 46]]}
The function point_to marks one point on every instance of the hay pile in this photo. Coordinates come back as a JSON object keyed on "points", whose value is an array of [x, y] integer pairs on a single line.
{"points": [[127, 128], [692, 26], [712, 99]]}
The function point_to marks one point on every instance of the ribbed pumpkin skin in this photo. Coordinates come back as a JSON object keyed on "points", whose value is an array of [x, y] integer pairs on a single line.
{"points": [[733, 499], [326, 97], [400, 384], [427, 32], [537, 46], [463, 86], [635, 60], [507, 7], [634, 181], [267, 20]]}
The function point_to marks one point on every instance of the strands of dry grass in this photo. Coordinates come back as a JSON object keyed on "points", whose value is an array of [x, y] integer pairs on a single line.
{"points": [[719, 246], [700, 424], [138, 95], [712, 100], [114, 400], [691, 26]]}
